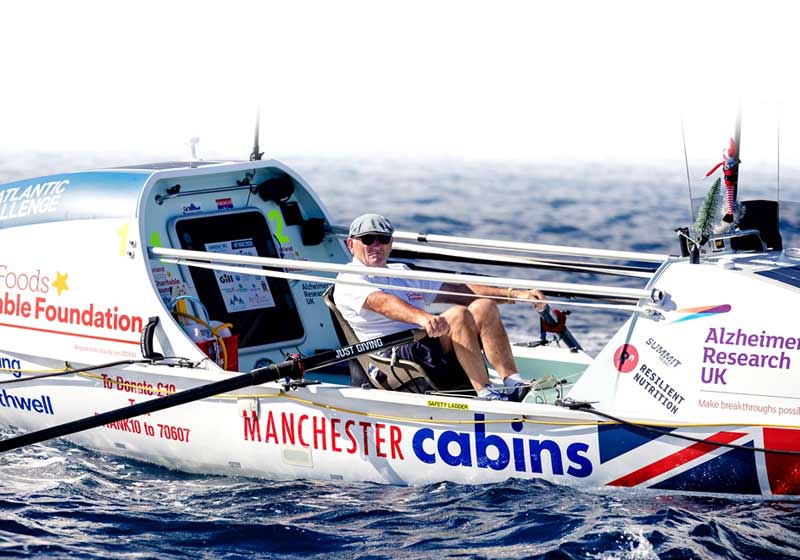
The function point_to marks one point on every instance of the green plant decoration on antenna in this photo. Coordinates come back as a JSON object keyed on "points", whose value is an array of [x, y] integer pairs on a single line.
{"points": [[708, 213]]}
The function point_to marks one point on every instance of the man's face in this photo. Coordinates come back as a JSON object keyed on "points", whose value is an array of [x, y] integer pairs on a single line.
{"points": [[374, 253]]}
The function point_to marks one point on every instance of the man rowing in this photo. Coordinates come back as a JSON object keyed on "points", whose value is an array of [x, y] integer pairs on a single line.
{"points": [[452, 349]]}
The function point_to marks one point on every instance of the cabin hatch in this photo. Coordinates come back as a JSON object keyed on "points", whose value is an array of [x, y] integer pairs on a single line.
{"points": [[262, 309]]}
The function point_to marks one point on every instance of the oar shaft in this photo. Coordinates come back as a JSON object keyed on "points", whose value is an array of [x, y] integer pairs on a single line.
{"points": [[290, 368], [519, 246], [532, 247], [176, 399], [420, 251], [187, 257], [610, 306]]}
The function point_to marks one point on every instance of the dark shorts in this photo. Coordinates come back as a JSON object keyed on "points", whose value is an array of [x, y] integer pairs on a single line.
{"points": [[443, 369]]}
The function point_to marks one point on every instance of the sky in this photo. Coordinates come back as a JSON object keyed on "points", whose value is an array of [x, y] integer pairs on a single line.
{"points": [[517, 80]]}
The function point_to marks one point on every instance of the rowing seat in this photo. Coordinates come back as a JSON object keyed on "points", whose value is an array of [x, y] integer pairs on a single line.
{"points": [[397, 375]]}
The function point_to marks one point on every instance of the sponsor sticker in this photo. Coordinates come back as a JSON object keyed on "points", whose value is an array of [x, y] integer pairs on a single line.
{"points": [[690, 313], [658, 388], [37, 405], [224, 204], [626, 358], [667, 358]]}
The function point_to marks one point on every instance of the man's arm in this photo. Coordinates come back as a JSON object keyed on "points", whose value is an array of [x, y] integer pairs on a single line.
{"points": [[395, 308], [467, 293]]}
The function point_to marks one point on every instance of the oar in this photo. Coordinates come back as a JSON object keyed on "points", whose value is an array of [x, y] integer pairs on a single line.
{"points": [[191, 258], [291, 368], [516, 246], [411, 251]]}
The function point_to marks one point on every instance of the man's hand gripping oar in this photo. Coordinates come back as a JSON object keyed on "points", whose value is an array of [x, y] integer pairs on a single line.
{"points": [[293, 369]]}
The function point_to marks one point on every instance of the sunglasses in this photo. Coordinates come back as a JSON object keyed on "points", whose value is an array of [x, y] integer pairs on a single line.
{"points": [[370, 238]]}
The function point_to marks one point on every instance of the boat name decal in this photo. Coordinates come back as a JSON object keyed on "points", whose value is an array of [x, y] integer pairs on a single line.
{"points": [[666, 395], [41, 405], [318, 432], [664, 355], [33, 200], [494, 451]]}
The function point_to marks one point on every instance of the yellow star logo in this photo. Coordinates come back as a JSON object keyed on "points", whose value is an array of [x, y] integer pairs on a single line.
{"points": [[61, 282]]}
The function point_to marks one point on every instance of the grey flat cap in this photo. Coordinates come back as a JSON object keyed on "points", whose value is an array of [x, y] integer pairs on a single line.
{"points": [[371, 223]]}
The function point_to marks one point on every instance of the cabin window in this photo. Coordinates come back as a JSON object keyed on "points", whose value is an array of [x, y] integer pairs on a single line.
{"points": [[261, 309]]}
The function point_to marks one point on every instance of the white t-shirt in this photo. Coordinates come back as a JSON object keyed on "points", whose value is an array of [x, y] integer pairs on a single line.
{"points": [[366, 323]]}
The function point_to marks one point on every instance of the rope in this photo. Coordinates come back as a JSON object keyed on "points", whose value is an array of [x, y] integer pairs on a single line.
{"points": [[585, 407], [412, 419], [51, 370], [65, 371], [418, 420], [82, 371], [654, 428]]}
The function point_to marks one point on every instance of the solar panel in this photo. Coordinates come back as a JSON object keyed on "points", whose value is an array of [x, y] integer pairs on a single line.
{"points": [[166, 165], [787, 274]]}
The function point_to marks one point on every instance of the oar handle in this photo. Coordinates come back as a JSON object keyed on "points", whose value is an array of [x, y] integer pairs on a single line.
{"points": [[290, 368]]}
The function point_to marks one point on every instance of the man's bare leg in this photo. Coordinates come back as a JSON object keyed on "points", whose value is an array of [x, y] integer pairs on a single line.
{"points": [[463, 340], [493, 336]]}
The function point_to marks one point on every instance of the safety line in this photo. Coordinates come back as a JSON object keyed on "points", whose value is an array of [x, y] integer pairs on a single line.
{"points": [[524, 418], [652, 426]]}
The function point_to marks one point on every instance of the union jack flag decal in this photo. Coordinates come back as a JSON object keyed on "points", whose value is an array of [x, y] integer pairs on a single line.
{"points": [[634, 457]]}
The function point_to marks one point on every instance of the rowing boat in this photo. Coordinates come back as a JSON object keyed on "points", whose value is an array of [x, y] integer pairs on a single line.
{"points": [[175, 313]]}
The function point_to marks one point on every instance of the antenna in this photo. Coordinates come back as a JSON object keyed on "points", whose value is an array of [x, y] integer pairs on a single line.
{"points": [[688, 178], [737, 138], [779, 111], [256, 154], [730, 169], [192, 143]]}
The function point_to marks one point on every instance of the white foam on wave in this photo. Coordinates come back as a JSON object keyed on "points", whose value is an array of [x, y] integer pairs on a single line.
{"points": [[638, 547]]}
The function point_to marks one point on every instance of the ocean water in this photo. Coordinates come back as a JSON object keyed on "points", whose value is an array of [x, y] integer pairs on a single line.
{"points": [[60, 500]]}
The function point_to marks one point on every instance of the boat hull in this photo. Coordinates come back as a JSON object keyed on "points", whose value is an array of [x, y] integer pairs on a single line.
{"points": [[133, 268], [333, 432]]}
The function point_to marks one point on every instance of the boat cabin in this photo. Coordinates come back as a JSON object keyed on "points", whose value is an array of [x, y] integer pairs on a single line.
{"points": [[88, 281]]}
